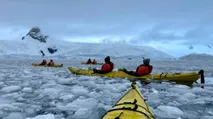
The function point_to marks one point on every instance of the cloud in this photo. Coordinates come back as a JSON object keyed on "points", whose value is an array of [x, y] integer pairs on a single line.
{"points": [[195, 35], [114, 40], [145, 20]]}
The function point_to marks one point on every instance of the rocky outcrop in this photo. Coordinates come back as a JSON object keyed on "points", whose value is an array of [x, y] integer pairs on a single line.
{"points": [[35, 33], [52, 50], [42, 53]]}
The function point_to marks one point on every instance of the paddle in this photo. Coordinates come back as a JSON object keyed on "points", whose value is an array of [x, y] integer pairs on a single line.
{"points": [[202, 79]]}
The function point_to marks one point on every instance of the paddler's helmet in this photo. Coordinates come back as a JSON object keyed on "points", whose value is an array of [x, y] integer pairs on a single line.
{"points": [[146, 61], [107, 59]]}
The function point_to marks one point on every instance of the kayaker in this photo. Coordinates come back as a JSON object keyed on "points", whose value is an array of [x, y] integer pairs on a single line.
{"points": [[44, 62], [89, 61], [106, 68], [142, 69], [94, 61], [51, 63]]}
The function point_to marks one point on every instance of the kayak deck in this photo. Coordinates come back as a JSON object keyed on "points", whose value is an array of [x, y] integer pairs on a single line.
{"points": [[182, 77], [57, 65], [130, 106]]}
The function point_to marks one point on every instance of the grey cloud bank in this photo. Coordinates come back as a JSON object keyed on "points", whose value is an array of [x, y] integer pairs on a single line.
{"points": [[134, 20]]}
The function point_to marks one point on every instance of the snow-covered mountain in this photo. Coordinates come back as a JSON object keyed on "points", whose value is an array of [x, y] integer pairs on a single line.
{"points": [[24, 47], [200, 49], [196, 56], [72, 49], [35, 39], [116, 51], [37, 44]]}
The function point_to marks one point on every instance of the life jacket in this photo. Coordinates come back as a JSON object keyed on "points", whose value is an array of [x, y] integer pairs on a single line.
{"points": [[94, 62], [89, 62], [43, 63], [107, 67], [143, 70], [111, 66], [50, 64]]}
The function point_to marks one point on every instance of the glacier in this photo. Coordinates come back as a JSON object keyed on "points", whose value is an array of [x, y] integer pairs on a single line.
{"points": [[30, 48]]}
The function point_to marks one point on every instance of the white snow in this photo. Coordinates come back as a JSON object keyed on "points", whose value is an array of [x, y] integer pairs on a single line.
{"points": [[27, 89], [48, 116], [8, 107], [9, 89], [31, 47], [79, 90], [14, 115], [82, 113], [51, 92], [65, 81], [30, 111], [197, 56], [77, 104], [201, 49], [28, 46], [67, 97], [154, 99], [169, 112], [187, 97]]}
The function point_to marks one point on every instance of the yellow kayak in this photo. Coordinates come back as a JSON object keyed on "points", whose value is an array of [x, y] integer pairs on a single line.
{"points": [[179, 77], [56, 65], [92, 64], [130, 106]]}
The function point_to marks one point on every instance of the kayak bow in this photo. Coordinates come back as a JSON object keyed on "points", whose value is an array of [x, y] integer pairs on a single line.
{"points": [[131, 106]]}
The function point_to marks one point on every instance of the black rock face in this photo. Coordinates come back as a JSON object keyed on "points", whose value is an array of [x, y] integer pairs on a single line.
{"points": [[52, 50], [39, 38], [35, 33], [42, 53]]}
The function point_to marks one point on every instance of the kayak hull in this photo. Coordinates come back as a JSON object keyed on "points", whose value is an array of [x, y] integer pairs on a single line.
{"points": [[181, 77], [56, 66], [91, 63], [131, 106]]}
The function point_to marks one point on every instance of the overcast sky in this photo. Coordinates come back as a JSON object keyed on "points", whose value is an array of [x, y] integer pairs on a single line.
{"points": [[188, 22]]}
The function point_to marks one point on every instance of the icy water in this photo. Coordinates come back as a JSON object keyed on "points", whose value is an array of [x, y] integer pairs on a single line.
{"points": [[54, 93]]}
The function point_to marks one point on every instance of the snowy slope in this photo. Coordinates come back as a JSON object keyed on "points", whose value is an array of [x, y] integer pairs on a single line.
{"points": [[23, 47], [200, 49], [73, 49], [197, 56], [115, 50]]}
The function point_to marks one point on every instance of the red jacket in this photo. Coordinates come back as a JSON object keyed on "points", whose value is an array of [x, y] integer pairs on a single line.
{"points": [[89, 62], [43, 63], [144, 70], [50, 63], [107, 67]]}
